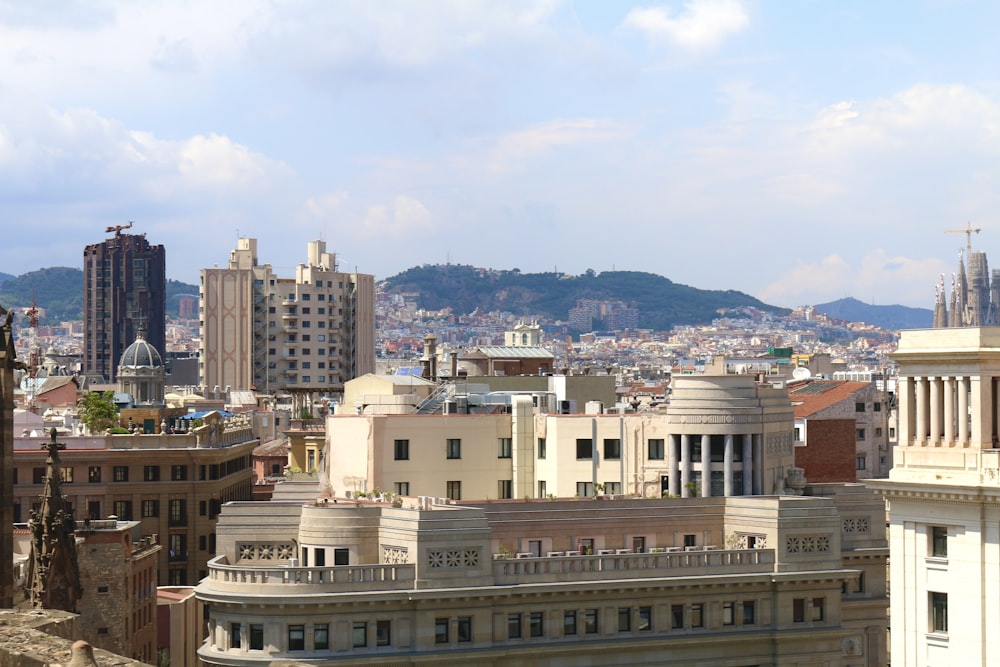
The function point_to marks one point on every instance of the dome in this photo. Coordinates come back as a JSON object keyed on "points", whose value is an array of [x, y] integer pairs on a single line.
{"points": [[140, 354]]}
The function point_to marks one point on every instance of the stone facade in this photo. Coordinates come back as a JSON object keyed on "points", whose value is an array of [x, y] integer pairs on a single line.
{"points": [[680, 582]]}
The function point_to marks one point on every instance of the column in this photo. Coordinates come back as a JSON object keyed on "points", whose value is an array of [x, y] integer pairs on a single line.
{"points": [[706, 466], [920, 427], [905, 411], [685, 465], [758, 464], [727, 485], [981, 406], [934, 407], [749, 463], [949, 411], [963, 411], [673, 456]]}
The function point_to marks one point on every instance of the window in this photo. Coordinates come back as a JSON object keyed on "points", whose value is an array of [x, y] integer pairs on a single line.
{"points": [[321, 637], [585, 545], [798, 434], [690, 540], [454, 448], [878, 431], [257, 636], [297, 637], [150, 508], [939, 612], [859, 406], [818, 609], [655, 449], [123, 509], [541, 448], [584, 489], [454, 490], [645, 619], [341, 556], [505, 488], [359, 634], [584, 448], [513, 626], [939, 541], [624, 619], [151, 473], [728, 615], [383, 633], [590, 625], [799, 610], [859, 462], [402, 488], [401, 450], [613, 488], [697, 615], [569, 623], [877, 407], [464, 628], [38, 475], [94, 474], [178, 473], [66, 475], [892, 432], [178, 512], [612, 448], [121, 473], [542, 488], [536, 624], [505, 447], [440, 630], [234, 635], [749, 612], [676, 616], [860, 434]]}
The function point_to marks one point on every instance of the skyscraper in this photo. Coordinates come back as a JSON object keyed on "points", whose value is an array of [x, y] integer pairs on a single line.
{"points": [[124, 289], [304, 335]]}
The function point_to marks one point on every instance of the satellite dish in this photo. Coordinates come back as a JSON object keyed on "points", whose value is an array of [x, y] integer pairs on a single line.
{"points": [[801, 373]]}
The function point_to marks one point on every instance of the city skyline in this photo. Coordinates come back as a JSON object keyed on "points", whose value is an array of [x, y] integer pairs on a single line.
{"points": [[798, 153]]}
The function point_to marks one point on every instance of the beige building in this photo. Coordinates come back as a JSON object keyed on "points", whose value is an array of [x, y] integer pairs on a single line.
{"points": [[736, 581], [944, 493], [172, 484], [730, 431], [306, 334]]}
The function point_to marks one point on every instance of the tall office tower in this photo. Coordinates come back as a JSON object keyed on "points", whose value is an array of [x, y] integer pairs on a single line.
{"points": [[124, 290], [234, 335], [305, 335]]}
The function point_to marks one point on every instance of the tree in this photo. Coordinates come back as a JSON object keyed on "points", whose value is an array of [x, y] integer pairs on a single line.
{"points": [[98, 412]]}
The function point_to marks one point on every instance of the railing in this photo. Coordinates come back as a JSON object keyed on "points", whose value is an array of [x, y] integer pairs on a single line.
{"points": [[644, 565], [437, 398], [336, 579]]}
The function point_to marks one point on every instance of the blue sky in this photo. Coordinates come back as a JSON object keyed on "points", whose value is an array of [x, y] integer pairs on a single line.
{"points": [[797, 151]]}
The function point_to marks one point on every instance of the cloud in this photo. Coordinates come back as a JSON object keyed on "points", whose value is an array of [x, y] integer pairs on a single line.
{"points": [[405, 217], [701, 26], [875, 277]]}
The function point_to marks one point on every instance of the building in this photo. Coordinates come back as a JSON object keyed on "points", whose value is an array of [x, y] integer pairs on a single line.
{"points": [[118, 575], [305, 335], [124, 290], [771, 580], [842, 430], [180, 628], [172, 484], [731, 431], [943, 494]]}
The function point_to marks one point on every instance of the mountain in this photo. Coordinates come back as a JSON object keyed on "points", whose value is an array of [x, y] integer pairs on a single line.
{"points": [[59, 291], [661, 302], [887, 317]]}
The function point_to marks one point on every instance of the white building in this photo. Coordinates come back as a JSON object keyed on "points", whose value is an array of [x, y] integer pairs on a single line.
{"points": [[943, 494]]}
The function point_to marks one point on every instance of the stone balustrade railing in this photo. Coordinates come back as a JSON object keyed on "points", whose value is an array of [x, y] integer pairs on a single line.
{"points": [[339, 578]]}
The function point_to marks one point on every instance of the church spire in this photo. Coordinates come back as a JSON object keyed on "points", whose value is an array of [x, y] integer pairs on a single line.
{"points": [[53, 573]]}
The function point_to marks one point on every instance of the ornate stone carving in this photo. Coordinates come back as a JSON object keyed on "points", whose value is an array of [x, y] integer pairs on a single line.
{"points": [[799, 544], [856, 525]]}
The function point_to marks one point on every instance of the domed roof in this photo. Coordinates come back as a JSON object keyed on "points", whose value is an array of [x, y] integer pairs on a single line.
{"points": [[141, 354]]}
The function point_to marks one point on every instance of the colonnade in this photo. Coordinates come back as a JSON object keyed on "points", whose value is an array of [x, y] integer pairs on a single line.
{"points": [[948, 410], [683, 470]]}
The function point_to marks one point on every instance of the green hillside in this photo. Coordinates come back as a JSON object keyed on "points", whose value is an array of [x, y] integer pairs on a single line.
{"points": [[661, 302], [59, 292]]}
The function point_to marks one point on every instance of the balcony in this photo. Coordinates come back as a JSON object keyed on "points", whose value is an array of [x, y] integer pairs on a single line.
{"points": [[290, 581]]}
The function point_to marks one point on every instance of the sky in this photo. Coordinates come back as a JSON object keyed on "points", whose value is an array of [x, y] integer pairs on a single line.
{"points": [[800, 152]]}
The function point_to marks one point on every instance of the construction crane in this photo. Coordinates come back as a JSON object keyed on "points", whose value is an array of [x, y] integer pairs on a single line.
{"points": [[969, 229], [117, 229]]}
